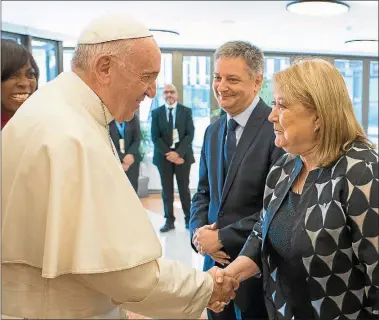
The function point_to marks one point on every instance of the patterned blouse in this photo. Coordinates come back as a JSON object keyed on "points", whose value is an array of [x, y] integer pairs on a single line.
{"points": [[336, 233]]}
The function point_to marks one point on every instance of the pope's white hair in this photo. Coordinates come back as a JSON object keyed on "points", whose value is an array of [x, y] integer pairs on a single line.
{"points": [[86, 54]]}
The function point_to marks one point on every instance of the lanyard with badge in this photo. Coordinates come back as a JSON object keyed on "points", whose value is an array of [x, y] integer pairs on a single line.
{"points": [[121, 131], [175, 133]]}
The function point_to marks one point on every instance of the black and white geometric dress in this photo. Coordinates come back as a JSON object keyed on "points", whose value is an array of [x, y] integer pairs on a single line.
{"points": [[320, 261]]}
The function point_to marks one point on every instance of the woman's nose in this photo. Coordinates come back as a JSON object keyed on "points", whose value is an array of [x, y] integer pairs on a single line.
{"points": [[273, 116], [23, 81]]}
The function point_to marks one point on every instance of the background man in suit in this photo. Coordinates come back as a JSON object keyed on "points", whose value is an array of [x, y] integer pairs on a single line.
{"points": [[126, 137], [237, 153], [172, 133]]}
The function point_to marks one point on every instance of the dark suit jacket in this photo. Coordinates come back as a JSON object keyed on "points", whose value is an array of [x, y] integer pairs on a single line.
{"points": [[132, 138], [161, 136], [233, 205]]}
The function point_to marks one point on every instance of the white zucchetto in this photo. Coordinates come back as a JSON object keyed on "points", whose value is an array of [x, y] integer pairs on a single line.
{"points": [[113, 26]]}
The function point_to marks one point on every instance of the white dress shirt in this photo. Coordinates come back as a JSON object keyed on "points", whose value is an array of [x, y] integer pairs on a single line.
{"points": [[243, 117]]}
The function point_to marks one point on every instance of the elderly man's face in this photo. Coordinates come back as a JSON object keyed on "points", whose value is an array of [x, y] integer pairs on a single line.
{"points": [[134, 79]]}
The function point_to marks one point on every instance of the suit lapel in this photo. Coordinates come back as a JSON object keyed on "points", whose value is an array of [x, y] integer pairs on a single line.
{"points": [[248, 136], [282, 187], [163, 116], [179, 111], [128, 133], [283, 184], [114, 134], [220, 156]]}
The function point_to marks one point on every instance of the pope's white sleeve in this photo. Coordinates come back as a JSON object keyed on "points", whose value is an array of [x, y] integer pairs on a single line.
{"points": [[159, 289]]}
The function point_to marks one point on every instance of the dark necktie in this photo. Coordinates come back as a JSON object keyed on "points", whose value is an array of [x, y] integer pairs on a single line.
{"points": [[170, 126], [230, 144]]}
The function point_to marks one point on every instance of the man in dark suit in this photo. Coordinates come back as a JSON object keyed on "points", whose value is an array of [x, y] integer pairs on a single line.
{"points": [[172, 133], [236, 156], [126, 137]]}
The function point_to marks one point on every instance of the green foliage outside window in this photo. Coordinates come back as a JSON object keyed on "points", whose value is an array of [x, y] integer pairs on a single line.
{"points": [[266, 91], [145, 141]]}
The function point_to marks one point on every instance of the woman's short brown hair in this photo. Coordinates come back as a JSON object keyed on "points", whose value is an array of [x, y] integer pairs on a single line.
{"points": [[319, 86]]}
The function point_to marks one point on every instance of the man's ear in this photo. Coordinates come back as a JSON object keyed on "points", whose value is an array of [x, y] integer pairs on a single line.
{"points": [[258, 81], [102, 68]]}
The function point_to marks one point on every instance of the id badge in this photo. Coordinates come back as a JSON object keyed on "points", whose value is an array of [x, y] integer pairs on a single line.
{"points": [[175, 136], [122, 145]]}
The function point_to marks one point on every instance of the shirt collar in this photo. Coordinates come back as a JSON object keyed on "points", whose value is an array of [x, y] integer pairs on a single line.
{"points": [[173, 106], [244, 116]]}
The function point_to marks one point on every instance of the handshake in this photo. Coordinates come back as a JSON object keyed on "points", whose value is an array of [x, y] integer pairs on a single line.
{"points": [[224, 289]]}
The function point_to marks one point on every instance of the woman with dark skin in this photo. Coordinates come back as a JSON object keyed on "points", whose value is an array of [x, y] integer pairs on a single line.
{"points": [[19, 78]]}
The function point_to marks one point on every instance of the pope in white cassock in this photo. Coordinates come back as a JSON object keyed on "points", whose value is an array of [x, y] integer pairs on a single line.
{"points": [[76, 241]]}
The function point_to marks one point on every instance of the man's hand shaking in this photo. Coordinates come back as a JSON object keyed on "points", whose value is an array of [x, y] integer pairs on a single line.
{"points": [[223, 290]]}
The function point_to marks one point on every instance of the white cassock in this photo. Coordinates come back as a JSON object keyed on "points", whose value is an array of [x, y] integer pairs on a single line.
{"points": [[76, 241]]}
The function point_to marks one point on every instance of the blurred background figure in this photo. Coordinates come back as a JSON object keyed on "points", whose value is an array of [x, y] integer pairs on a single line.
{"points": [[19, 78], [126, 137], [172, 133]]}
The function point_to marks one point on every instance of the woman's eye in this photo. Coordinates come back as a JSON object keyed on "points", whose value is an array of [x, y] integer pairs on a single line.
{"points": [[31, 75]]}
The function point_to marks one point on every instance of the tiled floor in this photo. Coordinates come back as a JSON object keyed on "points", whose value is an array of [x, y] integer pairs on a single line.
{"points": [[175, 243]]}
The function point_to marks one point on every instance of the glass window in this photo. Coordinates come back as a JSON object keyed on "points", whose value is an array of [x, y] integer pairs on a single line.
{"points": [[352, 72], [12, 36], [67, 58], [272, 66], [45, 54], [197, 96], [146, 107], [164, 77], [372, 130]]}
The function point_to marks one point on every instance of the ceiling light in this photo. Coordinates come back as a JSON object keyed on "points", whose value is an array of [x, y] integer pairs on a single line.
{"points": [[364, 45], [318, 7]]}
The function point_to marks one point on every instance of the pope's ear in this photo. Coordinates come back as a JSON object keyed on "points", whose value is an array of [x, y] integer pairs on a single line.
{"points": [[102, 68]]}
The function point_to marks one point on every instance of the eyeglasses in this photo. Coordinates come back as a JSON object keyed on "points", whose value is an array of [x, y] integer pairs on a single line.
{"points": [[169, 91]]}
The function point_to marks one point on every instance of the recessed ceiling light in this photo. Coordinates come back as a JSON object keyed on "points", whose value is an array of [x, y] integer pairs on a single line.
{"points": [[318, 7]]}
